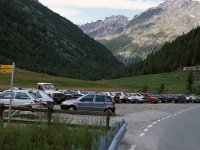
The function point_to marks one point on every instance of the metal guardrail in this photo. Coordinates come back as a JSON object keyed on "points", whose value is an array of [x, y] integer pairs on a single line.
{"points": [[112, 142]]}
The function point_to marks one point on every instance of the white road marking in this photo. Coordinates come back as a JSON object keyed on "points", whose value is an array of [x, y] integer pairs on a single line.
{"points": [[146, 130], [142, 134], [133, 147], [158, 120], [150, 126], [154, 122]]}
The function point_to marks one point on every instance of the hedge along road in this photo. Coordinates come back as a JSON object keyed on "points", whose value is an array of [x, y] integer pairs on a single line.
{"points": [[142, 117]]}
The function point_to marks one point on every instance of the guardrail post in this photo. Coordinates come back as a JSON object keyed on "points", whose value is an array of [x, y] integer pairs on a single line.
{"points": [[102, 143], [117, 127]]}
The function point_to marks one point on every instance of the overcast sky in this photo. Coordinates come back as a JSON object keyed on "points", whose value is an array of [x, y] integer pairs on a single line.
{"points": [[86, 11]]}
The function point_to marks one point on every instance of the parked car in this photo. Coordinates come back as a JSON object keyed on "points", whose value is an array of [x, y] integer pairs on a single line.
{"points": [[194, 98], [136, 98], [45, 99], [90, 102], [123, 97], [163, 98], [18, 97], [181, 98], [49, 88], [152, 99], [115, 97], [197, 100], [71, 94], [112, 95]]}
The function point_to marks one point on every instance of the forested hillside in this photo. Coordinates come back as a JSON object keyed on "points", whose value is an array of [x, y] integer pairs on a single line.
{"points": [[184, 51], [37, 39]]}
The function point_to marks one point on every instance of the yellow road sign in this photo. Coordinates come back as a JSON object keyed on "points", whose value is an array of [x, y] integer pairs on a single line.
{"points": [[6, 66], [6, 71]]}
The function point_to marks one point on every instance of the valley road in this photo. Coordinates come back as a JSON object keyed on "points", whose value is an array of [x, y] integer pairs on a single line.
{"points": [[159, 126]]}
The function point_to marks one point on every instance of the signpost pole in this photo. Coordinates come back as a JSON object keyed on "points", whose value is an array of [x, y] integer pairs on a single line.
{"points": [[11, 88]]}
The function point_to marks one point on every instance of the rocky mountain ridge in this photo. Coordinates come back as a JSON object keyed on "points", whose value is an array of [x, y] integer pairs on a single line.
{"points": [[106, 28], [148, 31]]}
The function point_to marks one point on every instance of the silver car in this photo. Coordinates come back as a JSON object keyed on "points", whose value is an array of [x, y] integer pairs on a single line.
{"points": [[90, 102]]}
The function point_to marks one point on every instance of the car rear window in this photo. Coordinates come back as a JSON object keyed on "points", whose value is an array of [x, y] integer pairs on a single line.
{"points": [[108, 99], [100, 98]]}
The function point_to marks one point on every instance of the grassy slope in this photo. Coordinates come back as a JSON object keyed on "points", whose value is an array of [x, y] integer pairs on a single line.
{"points": [[175, 82]]}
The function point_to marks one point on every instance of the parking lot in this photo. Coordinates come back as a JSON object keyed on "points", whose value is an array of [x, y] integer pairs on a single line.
{"points": [[138, 116]]}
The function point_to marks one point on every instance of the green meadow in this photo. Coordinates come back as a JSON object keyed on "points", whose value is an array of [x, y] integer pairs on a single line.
{"points": [[175, 82]]}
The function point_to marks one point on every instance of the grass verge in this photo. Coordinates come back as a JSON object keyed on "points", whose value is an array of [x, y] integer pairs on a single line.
{"points": [[53, 137]]}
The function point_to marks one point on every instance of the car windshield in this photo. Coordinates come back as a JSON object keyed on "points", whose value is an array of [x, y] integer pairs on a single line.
{"points": [[49, 87], [35, 94]]}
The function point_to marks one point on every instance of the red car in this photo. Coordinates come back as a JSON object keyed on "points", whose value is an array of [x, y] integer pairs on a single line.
{"points": [[152, 99]]}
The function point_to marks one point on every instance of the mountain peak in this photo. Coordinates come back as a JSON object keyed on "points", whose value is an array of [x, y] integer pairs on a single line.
{"points": [[176, 2], [108, 27]]}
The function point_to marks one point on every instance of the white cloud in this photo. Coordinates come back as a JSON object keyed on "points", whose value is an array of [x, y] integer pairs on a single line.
{"points": [[65, 12], [113, 4]]}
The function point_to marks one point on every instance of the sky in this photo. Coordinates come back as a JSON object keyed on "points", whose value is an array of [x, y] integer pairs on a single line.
{"points": [[85, 11]]}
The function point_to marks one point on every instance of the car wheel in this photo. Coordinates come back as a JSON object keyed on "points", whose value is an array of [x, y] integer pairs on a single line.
{"points": [[72, 108], [108, 111], [136, 101]]}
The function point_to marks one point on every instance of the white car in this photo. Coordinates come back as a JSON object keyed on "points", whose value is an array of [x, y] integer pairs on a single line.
{"points": [[18, 97], [42, 96], [123, 97], [136, 98]]}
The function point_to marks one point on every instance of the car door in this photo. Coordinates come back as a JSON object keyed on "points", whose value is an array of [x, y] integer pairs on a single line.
{"points": [[21, 98], [86, 103], [99, 103]]}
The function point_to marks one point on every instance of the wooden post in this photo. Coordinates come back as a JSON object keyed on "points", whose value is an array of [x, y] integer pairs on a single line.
{"points": [[49, 110], [1, 110], [108, 120]]}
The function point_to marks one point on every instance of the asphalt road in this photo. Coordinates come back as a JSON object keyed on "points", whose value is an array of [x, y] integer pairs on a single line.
{"points": [[148, 124], [178, 131]]}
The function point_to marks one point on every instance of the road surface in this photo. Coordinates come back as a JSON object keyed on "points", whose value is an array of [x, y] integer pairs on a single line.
{"points": [[178, 131]]}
